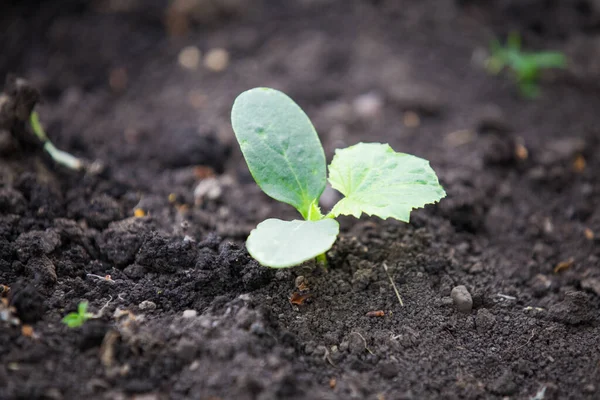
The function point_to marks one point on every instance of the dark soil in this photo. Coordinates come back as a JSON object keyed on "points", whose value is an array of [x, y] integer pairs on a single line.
{"points": [[186, 313]]}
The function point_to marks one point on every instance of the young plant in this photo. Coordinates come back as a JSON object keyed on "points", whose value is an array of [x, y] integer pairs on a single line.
{"points": [[287, 161], [77, 319], [525, 66], [61, 157]]}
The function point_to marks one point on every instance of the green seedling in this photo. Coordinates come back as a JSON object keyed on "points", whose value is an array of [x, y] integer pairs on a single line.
{"points": [[77, 319], [286, 159], [525, 66], [61, 157]]}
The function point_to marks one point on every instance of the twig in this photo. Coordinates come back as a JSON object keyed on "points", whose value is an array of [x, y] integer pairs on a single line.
{"points": [[328, 358], [101, 311], [505, 296], [364, 341], [385, 268], [528, 340], [102, 278]]}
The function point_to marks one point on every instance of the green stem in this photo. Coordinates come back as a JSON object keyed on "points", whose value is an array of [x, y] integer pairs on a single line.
{"points": [[61, 157], [322, 260]]}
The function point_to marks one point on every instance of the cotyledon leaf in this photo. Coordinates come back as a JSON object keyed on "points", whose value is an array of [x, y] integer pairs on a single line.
{"points": [[279, 244], [281, 147], [378, 181]]}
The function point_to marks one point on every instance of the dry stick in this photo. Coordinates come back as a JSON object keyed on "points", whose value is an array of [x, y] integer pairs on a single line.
{"points": [[364, 341], [385, 268], [101, 311]]}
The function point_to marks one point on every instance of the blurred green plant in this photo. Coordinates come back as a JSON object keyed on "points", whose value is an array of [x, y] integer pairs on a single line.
{"points": [[61, 157], [77, 319], [526, 67]]}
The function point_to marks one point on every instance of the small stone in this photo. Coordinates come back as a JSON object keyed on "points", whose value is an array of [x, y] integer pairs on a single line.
{"points": [[462, 299], [484, 320], [216, 60], [257, 328], [147, 305], [368, 105], [589, 389], [300, 281], [189, 57], [343, 346], [411, 119], [540, 284], [190, 314], [208, 188]]}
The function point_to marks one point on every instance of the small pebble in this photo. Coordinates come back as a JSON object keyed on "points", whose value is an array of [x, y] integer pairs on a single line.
{"points": [[462, 299], [368, 105], [540, 284], [190, 313], [589, 388], [208, 188], [411, 119], [257, 328], [147, 305], [216, 60], [189, 57]]}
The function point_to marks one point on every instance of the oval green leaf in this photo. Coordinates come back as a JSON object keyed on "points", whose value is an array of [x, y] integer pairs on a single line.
{"points": [[281, 147], [280, 244], [378, 181]]}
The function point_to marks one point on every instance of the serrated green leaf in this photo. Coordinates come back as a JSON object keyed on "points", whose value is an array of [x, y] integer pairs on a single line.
{"points": [[279, 244], [281, 147], [378, 181]]}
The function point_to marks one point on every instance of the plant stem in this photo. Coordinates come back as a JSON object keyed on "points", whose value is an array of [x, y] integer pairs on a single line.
{"points": [[59, 156], [322, 259], [385, 268]]}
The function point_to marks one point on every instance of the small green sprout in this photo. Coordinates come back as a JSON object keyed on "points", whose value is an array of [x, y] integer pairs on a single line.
{"points": [[77, 319], [525, 66], [61, 157], [286, 159]]}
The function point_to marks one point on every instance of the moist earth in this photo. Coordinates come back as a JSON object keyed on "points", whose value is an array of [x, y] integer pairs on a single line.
{"points": [[500, 281]]}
